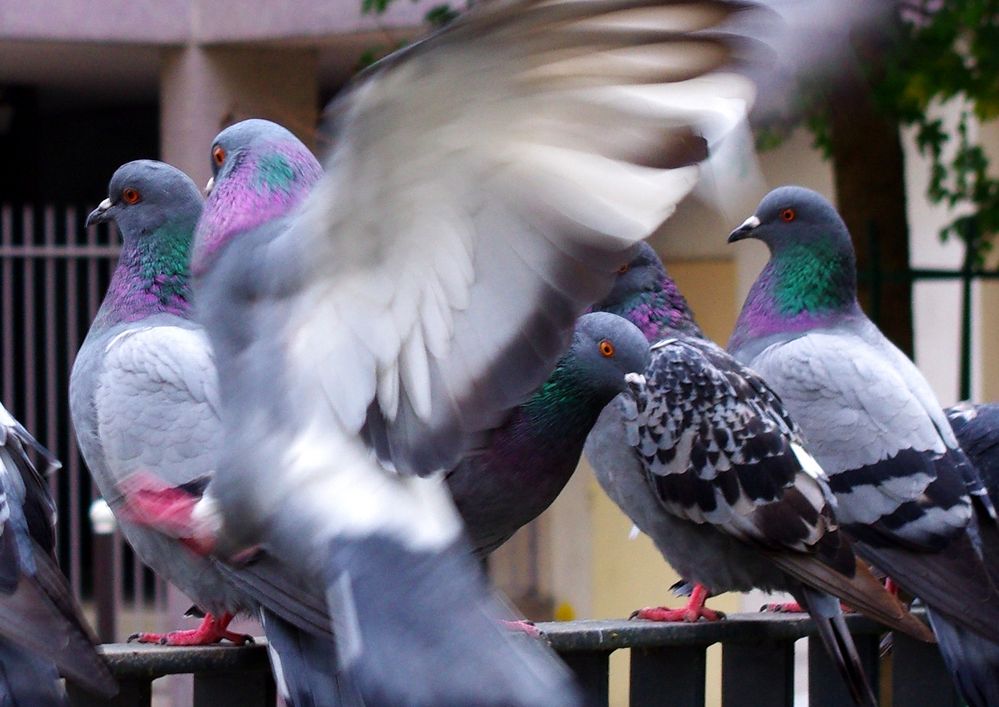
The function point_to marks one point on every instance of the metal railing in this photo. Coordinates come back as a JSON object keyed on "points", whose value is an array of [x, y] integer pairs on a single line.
{"points": [[668, 665]]}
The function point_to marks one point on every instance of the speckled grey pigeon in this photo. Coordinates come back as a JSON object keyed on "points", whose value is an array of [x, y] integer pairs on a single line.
{"points": [[531, 457], [144, 401], [704, 459], [870, 418], [42, 630], [480, 193]]}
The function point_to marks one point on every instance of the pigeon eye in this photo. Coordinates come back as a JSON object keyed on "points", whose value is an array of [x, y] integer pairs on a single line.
{"points": [[606, 348], [130, 195], [787, 215], [218, 155], [623, 269]]}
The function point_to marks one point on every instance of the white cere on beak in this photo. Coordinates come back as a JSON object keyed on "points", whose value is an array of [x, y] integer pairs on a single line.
{"points": [[209, 186], [104, 205], [749, 224]]}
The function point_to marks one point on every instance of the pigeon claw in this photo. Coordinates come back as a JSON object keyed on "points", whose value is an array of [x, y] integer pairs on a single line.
{"points": [[522, 626], [688, 614], [210, 632], [785, 607]]}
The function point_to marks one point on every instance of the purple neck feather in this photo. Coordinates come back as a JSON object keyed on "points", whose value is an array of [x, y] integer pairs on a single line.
{"points": [[142, 286], [253, 193], [659, 313]]}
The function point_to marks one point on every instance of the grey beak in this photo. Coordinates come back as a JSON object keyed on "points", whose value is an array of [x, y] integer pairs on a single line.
{"points": [[98, 215], [745, 230]]}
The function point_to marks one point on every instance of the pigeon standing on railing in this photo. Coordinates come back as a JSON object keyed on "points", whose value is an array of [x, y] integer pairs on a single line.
{"points": [[704, 459], [906, 492], [144, 402], [483, 187], [42, 630]]}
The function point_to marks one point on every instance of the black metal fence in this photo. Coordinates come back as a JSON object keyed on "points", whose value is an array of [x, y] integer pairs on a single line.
{"points": [[668, 665]]}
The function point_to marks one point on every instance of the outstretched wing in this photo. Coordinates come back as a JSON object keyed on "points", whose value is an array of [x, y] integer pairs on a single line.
{"points": [[483, 188]]}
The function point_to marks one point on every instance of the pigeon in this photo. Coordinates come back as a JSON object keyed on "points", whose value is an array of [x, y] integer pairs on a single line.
{"points": [[973, 659], [482, 188], [906, 492], [530, 458], [703, 457], [42, 630], [144, 401]]}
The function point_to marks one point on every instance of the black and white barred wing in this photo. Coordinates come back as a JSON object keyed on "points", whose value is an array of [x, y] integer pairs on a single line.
{"points": [[718, 448]]}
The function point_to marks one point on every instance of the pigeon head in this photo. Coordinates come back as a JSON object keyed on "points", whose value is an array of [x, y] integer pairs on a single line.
{"points": [[606, 347], [811, 278], [144, 195], [645, 295], [260, 172], [156, 208]]}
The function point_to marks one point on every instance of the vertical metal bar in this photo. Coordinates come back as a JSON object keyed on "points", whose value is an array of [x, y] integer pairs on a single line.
{"points": [[118, 578], [668, 676], [49, 350], [102, 522], [970, 244], [758, 673], [73, 469], [7, 289], [592, 673], [826, 687], [28, 321], [919, 676]]}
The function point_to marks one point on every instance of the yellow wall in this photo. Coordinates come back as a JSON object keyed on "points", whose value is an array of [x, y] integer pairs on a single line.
{"points": [[629, 574]]}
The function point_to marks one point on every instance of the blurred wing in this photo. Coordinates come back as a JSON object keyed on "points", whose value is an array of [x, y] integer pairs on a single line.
{"points": [[157, 405], [717, 449], [484, 186]]}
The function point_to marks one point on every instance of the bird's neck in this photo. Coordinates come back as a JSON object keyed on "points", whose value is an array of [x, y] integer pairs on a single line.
{"points": [[800, 289], [659, 313], [261, 189], [151, 277], [561, 412]]}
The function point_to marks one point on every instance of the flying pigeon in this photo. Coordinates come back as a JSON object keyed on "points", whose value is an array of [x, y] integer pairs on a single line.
{"points": [[703, 458], [144, 402], [906, 492], [529, 460], [482, 189], [42, 630]]}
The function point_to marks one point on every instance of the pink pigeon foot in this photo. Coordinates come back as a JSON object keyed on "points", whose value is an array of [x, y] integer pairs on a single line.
{"points": [[523, 626], [210, 632], [149, 502], [690, 613]]}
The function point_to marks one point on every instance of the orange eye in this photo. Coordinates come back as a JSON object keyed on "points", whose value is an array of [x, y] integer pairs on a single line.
{"points": [[787, 215], [130, 195], [606, 348], [623, 269], [218, 155]]}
